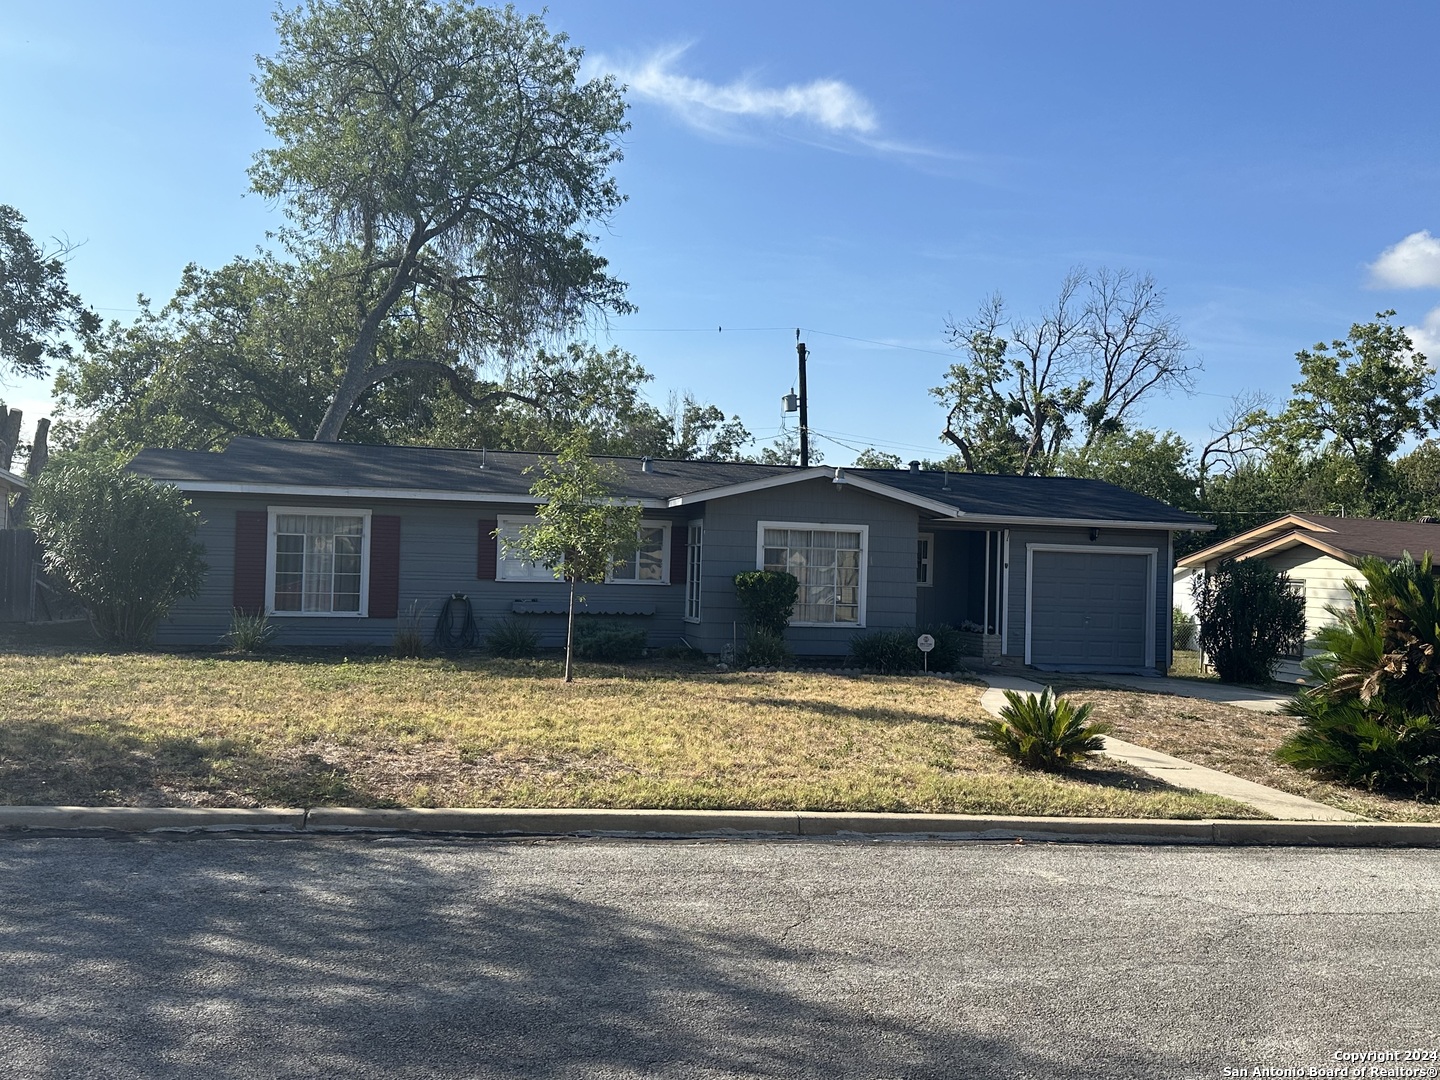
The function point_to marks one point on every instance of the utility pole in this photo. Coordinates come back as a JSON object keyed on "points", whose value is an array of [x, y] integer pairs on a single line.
{"points": [[804, 405]]}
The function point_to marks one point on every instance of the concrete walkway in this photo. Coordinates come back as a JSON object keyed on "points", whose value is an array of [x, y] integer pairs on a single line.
{"points": [[1174, 771]]}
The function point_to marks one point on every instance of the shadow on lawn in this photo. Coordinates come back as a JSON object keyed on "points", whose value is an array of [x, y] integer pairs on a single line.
{"points": [[105, 764], [868, 713]]}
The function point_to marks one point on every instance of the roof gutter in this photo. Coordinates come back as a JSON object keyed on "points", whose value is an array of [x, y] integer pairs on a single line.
{"points": [[415, 494]]}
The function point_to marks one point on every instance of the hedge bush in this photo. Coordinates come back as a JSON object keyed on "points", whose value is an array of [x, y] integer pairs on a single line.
{"points": [[1248, 618], [608, 640]]}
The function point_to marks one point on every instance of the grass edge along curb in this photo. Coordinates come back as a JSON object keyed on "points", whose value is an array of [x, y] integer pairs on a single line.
{"points": [[19, 821]]}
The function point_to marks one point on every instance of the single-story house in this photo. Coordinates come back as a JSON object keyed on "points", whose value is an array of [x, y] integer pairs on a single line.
{"points": [[338, 542], [1317, 552]]}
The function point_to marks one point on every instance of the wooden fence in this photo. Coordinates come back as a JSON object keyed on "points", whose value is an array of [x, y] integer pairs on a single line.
{"points": [[19, 566]]}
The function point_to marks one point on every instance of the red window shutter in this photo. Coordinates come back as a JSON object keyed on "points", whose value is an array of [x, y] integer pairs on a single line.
{"points": [[248, 592], [384, 566], [487, 559], [679, 548]]}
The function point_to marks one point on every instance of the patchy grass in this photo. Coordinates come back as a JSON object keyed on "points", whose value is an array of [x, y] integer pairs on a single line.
{"points": [[222, 730], [1233, 740], [1185, 664]]}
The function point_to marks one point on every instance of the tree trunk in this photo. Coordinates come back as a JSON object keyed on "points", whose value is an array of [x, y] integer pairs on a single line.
{"points": [[9, 436], [570, 635]]}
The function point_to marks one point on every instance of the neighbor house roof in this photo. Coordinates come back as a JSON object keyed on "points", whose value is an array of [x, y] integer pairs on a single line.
{"points": [[1344, 538], [279, 467], [10, 481]]}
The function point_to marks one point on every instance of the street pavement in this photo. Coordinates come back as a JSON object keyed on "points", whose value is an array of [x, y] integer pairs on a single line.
{"points": [[386, 957]]}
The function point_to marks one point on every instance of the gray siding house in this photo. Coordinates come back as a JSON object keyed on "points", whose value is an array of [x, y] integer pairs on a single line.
{"points": [[338, 543]]}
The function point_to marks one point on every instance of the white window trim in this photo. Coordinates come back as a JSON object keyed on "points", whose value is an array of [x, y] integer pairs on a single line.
{"points": [[664, 527], [929, 579], [824, 526], [693, 576], [270, 562], [1150, 555]]}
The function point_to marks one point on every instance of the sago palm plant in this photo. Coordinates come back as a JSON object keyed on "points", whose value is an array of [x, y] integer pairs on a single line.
{"points": [[1044, 731]]}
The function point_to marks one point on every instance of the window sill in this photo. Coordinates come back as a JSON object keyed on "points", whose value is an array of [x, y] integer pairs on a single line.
{"points": [[316, 614]]}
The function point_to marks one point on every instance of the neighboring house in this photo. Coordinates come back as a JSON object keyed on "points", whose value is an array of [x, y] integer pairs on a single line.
{"points": [[10, 486], [337, 542], [1318, 553]]}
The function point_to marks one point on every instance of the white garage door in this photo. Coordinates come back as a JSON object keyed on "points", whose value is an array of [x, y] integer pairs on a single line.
{"points": [[1090, 609]]}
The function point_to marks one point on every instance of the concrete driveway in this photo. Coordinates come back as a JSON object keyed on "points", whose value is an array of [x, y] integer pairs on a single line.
{"points": [[1242, 697]]}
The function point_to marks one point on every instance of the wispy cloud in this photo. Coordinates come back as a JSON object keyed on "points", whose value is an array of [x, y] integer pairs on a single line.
{"points": [[1413, 263], [1426, 336], [828, 104]]}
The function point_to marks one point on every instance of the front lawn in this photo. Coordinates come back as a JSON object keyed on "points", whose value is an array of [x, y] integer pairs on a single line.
{"points": [[161, 729]]}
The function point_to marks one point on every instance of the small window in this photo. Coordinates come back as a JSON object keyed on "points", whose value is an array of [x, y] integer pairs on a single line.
{"points": [[694, 538], [319, 562], [923, 552], [509, 565], [650, 563]]}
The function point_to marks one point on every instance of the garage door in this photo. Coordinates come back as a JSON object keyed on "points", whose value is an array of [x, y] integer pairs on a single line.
{"points": [[1088, 609]]}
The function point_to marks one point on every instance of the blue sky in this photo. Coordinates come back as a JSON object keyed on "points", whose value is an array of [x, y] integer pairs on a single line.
{"points": [[857, 170]]}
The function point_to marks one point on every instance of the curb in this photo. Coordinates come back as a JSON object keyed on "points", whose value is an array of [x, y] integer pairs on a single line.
{"points": [[18, 821]]}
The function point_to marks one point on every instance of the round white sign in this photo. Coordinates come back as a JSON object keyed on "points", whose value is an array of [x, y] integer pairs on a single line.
{"points": [[925, 643]]}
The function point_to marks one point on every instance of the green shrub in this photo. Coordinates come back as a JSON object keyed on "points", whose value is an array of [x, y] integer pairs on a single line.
{"points": [[763, 649], [121, 543], [1377, 746], [1183, 631], [767, 598], [608, 640], [1044, 732], [512, 639], [885, 651], [249, 633], [681, 653], [893, 651], [1248, 619]]}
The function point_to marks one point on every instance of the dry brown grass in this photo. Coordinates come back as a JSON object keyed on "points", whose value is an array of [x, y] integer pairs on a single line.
{"points": [[88, 727], [1233, 740]]}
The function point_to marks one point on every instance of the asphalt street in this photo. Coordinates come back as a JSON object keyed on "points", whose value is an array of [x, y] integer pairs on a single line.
{"points": [[347, 957]]}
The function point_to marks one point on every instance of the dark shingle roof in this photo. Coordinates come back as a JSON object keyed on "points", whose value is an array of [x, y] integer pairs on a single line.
{"points": [[1370, 536], [261, 464], [986, 495]]}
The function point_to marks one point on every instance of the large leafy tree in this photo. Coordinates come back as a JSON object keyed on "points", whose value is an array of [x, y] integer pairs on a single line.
{"points": [[1362, 397], [443, 163], [1151, 463], [1024, 389], [37, 307]]}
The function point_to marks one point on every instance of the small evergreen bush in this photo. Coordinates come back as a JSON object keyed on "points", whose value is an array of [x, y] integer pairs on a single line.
{"points": [[767, 598], [512, 639], [608, 640], [249, 633], [1248, 618], [763, 649], [885, 651], [1044, 731]]}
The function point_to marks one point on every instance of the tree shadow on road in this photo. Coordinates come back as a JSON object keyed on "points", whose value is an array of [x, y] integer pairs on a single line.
{"points": [[358, 959]]}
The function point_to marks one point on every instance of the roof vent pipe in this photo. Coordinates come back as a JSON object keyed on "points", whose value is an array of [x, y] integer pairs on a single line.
{"points": [[647, 465], [914, 466]]}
